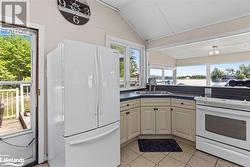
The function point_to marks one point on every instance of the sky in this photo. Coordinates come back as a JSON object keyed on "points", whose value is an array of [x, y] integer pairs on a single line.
{"points": [[136, 53], [5, 31], [200, 69]]}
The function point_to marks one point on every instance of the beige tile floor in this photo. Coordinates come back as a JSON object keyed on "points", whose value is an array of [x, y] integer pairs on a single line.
{"points": [[132, 157]]}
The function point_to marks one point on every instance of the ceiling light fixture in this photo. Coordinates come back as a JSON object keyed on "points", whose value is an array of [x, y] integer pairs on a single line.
{"points": [[214, 51]]}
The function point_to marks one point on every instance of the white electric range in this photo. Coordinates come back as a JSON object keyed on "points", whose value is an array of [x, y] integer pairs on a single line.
{"points": [[223, 128]]}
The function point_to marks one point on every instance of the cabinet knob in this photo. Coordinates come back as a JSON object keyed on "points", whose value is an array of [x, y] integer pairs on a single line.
{"points": [[127, 113], [156, 109], [182, 103], [127, 105], [171, 109]]}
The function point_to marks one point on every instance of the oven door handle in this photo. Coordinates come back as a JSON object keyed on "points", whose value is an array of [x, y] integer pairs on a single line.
{"points": [[225, 111]]}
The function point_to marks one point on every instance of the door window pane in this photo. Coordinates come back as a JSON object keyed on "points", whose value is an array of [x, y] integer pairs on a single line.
{"points": [[122, 50], [191, 75], [15, 77], [135, 58], [221, 74]]}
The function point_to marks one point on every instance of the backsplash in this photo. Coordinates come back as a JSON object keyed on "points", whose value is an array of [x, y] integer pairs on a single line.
{"points": [[217, 92], [199, 91], [231, 93]]}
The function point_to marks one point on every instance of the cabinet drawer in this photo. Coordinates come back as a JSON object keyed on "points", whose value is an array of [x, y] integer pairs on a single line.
{"points": [[189, 104], [149, 102], [126, 105]]}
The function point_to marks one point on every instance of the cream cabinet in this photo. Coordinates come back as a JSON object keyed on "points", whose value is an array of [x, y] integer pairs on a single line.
{"points": [[130, 118], [163, 120], [183, 119], [133, 123], [155, 116], [147, 120], [123, 127], [155, 120]]}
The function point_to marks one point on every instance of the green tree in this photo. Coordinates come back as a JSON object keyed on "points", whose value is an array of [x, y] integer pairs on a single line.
{"points": [[217, 74], [243, 72], [121, 50], [133, 66], [15, 59]]}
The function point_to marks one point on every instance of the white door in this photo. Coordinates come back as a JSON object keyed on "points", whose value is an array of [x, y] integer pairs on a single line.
{"points": [[18, 96], [183, 123], [109, 90], [163, 120], [97, 148], [80, 87]]}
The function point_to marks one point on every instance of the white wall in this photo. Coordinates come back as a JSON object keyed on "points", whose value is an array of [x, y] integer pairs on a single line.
{"points": [[160, 59], [104, 21], [218, 59]]}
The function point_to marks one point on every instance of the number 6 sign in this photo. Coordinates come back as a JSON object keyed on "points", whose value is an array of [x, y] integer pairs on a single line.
{"points": [[75, 11]]}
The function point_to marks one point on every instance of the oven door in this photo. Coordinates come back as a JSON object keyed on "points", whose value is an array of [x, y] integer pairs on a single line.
{"points": [[227, 126]]}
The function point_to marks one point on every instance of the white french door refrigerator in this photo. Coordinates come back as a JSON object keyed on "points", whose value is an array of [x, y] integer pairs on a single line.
{"points": [[83, 106]]}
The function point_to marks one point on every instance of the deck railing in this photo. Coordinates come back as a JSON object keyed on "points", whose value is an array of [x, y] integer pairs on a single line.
{"points": [[15, 101]]}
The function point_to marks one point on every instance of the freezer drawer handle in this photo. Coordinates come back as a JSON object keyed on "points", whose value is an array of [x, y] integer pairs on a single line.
{"points": [[93, 138]]}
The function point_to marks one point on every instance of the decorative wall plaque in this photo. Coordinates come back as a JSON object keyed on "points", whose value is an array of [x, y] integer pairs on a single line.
{"points": [[75, 11]]}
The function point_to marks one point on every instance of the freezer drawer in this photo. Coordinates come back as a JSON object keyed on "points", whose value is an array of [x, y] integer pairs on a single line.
{"points": [[97, 148]]}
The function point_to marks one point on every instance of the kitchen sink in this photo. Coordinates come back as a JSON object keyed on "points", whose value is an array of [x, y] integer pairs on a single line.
{"points": [[153, 92]]}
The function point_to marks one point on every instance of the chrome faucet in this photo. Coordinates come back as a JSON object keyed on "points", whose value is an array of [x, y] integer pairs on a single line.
{"points": [[152, 83]]}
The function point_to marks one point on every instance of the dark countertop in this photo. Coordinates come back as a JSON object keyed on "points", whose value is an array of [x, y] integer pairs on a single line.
{"points": [[133, 95]]}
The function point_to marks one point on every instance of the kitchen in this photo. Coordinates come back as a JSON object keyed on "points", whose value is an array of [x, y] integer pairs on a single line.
{"points": [[110, 87]]}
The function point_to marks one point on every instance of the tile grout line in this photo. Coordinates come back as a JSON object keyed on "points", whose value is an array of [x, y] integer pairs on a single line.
{"points": [[141, 155], [162, 159], [189, 160], [216, 162], [154, 162]]}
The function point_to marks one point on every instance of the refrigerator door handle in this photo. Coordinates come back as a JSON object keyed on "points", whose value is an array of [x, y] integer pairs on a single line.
{"points": [[102, 82], [93, 138], [97, 84]]}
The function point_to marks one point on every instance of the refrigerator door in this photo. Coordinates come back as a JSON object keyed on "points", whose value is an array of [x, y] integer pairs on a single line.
{"points": [[97, 148], [109, 88], [80, 87]]}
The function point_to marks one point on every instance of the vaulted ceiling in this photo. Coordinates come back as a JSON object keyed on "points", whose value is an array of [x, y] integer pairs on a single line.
{"points": [[227, 45], [153, 19]]}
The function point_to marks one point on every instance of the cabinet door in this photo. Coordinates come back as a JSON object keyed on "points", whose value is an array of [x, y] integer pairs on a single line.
{"points": [[147, 120], [123, 127], [183, 123], [133, 123], [163, 120]]}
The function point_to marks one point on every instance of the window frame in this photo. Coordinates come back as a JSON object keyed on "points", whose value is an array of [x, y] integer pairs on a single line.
{"points": [[142, 69], [163, 68], [208, 72]]}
